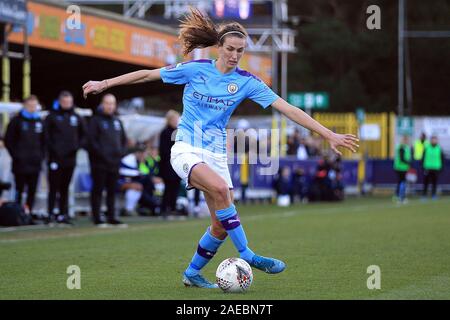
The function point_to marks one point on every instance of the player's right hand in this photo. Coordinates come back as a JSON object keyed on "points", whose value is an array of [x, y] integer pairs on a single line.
{"points": [[348, 141], [94, 87]]}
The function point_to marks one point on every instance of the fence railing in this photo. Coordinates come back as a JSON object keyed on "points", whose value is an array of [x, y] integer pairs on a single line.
{"points": [[348, 123]]}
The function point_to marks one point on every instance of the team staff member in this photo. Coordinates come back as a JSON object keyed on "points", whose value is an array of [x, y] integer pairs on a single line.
{"points": [[25, 142], [65, 133], [107, 146], [166, 172], [419, 146], [402, 163], [433, 161]]}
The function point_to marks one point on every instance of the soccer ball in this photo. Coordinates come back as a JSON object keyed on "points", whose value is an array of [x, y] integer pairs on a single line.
{"points": [[234, 275]]}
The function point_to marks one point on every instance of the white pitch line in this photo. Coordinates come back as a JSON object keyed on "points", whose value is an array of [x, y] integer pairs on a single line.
{"points": [[286, 214], [424, 289]]}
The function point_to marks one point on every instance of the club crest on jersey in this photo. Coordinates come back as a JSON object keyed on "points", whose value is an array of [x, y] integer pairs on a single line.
{"points": [[73, 121], [38, 127], [232, 88]]}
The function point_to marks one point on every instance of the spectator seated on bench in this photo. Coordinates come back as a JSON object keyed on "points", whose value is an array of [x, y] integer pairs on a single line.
{"points": [[136, 182]]}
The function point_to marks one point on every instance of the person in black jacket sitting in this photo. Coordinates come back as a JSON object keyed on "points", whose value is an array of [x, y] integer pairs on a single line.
{"points": [[25, 142], [65, 133], [107, 146], [282, 184], [299, 186]]}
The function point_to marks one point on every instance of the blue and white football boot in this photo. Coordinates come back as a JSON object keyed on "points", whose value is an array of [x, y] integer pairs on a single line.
{"points": [[198, 281], [268, 265]]}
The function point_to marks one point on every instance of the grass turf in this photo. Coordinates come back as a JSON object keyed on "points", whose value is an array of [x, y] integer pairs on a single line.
{"points": [[327, 248]]}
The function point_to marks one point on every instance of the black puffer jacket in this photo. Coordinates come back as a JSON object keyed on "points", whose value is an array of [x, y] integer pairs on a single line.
{"points": [[107, 142], [65, 133], [25, 142]]}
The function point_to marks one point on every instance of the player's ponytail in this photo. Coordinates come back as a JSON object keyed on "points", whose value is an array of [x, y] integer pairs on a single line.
{"points": [[198, 31]]}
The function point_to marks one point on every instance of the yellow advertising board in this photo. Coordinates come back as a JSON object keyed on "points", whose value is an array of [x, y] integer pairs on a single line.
{"points": [[107, 38]]}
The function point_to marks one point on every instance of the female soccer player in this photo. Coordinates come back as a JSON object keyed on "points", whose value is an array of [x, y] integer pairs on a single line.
{"points": [[212, 91]]}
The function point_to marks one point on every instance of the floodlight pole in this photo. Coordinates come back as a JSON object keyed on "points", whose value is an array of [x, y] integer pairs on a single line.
{"points": [[6, 75], [275, 115], [401, 57], [403, 35], [274, 49], [26, 66]]}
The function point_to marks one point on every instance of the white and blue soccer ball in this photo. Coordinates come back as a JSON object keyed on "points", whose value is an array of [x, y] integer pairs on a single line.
{"points": [[234, 275]]}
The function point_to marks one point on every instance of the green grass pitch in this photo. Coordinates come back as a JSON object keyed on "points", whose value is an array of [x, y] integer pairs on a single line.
{"points": [[327, 247]]}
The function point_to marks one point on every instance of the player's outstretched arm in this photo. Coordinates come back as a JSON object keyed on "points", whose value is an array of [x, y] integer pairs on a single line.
{"points": [[297, 115], [96, 87]]}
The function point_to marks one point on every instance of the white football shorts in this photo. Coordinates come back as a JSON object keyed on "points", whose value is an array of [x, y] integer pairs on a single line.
{"points": [[184, 157]]}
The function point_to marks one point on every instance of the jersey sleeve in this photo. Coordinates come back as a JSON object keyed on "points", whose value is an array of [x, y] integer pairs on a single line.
{"points": [[261, 93], [179, 73]]}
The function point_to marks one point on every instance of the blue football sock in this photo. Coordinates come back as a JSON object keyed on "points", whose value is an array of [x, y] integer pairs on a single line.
{"points": [[230, 221], [207, 248]]}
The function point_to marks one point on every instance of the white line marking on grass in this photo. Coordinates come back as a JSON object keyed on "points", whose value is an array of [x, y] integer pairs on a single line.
{"points": [[436, 287], [358, 208], [194, 222], [25, 228]]}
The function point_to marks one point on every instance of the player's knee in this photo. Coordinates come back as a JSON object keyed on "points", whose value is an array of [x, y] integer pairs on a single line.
{"points": [[221, 193]]}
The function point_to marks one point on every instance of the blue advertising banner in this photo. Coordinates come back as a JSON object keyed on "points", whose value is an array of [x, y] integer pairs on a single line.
{"points": [[261, 181], [378, 172], [13, 11], [381, 172]]}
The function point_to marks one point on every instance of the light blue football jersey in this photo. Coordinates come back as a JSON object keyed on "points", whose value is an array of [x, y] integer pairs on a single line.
{"points": [[210, 98]]}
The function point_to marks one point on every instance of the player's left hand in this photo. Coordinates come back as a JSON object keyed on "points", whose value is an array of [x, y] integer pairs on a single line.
{"points": [[348, 141], [94, 87]]}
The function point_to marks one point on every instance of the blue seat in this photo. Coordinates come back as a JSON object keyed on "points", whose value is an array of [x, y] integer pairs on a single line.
{"points": [[84, 182]]}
